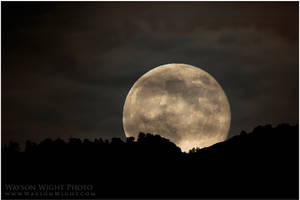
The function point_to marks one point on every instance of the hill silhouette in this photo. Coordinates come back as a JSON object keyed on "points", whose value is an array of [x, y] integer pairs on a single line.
{"points": [[260, 164]]}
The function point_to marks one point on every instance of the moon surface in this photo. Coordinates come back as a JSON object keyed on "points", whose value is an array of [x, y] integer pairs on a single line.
{"points": [[180, 102]]}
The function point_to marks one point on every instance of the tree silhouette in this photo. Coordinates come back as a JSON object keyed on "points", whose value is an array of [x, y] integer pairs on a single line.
{"points": [[259, 164]]}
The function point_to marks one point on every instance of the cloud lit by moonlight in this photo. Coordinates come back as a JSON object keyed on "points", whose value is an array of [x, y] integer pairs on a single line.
{"points": [[180, 102]]}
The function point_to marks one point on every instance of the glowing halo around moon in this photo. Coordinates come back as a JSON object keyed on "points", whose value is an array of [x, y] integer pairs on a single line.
{"points": [[180, 102]]}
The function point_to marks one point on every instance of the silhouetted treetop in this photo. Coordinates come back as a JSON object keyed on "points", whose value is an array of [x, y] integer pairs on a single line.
{"points": [[148, 142], [262, 163]]}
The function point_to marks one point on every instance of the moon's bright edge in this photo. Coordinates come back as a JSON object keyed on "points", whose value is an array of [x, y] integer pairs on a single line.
{"points": [[180, 102]]}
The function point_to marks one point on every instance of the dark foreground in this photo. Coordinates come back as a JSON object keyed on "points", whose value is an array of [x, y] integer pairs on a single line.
{"points": [[261, 164]]}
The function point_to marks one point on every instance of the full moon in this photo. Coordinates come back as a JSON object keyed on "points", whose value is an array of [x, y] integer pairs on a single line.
{"points": [[180, 102]]}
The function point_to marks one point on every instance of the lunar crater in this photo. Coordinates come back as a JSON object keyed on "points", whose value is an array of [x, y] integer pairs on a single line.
{"points": [[180, 102]]}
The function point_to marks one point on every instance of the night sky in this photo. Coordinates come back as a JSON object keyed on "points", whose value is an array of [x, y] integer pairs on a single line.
{"points": [[67, 67]]}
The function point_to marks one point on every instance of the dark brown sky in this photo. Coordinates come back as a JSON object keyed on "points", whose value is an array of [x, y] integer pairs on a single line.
{"points": [[67, 67]]}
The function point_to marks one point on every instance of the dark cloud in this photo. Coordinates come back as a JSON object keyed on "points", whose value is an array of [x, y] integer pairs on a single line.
{"points": [[67, 67]]}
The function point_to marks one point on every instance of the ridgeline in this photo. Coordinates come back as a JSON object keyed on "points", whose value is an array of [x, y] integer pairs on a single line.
{"points": [[260, 164]]}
